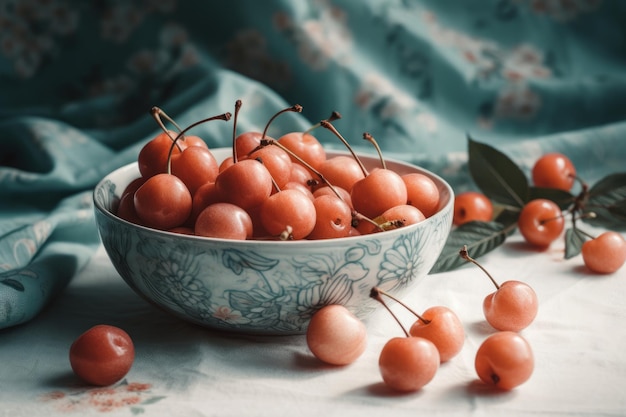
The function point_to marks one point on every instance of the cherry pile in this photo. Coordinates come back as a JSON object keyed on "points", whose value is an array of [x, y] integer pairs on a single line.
{"points": [[279, 189]]}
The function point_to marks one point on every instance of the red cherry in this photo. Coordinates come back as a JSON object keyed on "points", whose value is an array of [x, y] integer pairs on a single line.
{"points": [[505, 360], [163, 202], [513, 306], [225, 221], [472, 206], [246, 184], [441, 326], [408, 363], [277, 161], [605, 254], [342, 171], [152, 158], [102, 355], [195, 166], [247, 142], [422, 192], [541, 222], [204, 196], [554, 170], [193, 140], [380, 190], [290, 212], [336, 336], [333, 218], [306, 146]]}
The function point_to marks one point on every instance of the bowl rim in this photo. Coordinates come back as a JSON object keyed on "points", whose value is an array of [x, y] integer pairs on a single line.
{"points": [[133, 166]]}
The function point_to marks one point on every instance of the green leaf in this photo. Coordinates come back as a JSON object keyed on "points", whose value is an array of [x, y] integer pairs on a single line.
{"points": [[574, 240], [497, 176], [562, 198], [607, 199], [613, 183], [480, 238]]}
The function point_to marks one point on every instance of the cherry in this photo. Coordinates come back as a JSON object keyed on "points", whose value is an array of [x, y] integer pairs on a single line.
{"points": [[195, 166], [126, 208], [204, 196], [193, 140], [505, 360], [163, 202], [306, 146], [225, 221], [246, 184], [102, 355], [336, 336], [333, 218], [398, 216], [277, 161], [380, 190], [334, 190], [247, 143], [342, 171], [472, 206], [299, 173], [438, 324], [554, 170], [604, 254], [408, 363], [292, 185], [422, 192], [513, 306], [541, 222], [153, 156], [289, 214], [441, 326]]}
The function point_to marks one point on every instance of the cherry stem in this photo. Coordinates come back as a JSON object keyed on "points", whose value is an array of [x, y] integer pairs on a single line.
{"points": [[335, 115], [544, 221], [328, 125], [465, 255], [371, 140], [225, 116], [375, 294], [295, 108], [386, 294], [287, 234], [237, 108], [360, 217], [157, 113], [274, 184]]}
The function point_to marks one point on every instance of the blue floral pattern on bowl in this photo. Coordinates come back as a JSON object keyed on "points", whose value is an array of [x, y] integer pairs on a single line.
{"points": [[262, 287]]}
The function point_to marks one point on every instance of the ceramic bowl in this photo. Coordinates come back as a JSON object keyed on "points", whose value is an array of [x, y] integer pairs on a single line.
{"points": [[266, 287]]}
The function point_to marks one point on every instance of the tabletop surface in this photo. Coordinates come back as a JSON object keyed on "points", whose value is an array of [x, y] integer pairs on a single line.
{"points": [[182, 369]]}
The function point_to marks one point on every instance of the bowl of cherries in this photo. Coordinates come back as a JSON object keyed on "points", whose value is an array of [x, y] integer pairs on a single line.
{"points": [[257, 237]]}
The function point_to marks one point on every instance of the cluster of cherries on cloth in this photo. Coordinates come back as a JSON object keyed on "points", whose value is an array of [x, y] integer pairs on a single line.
{"points": [[285, 188], [407, 363], [541, 221]]}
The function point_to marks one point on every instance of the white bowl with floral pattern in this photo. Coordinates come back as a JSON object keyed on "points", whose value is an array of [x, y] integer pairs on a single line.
{"points": [[260, 286]]}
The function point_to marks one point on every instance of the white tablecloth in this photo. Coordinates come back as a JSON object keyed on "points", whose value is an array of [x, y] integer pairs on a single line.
{"points": [[180, 369]]}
